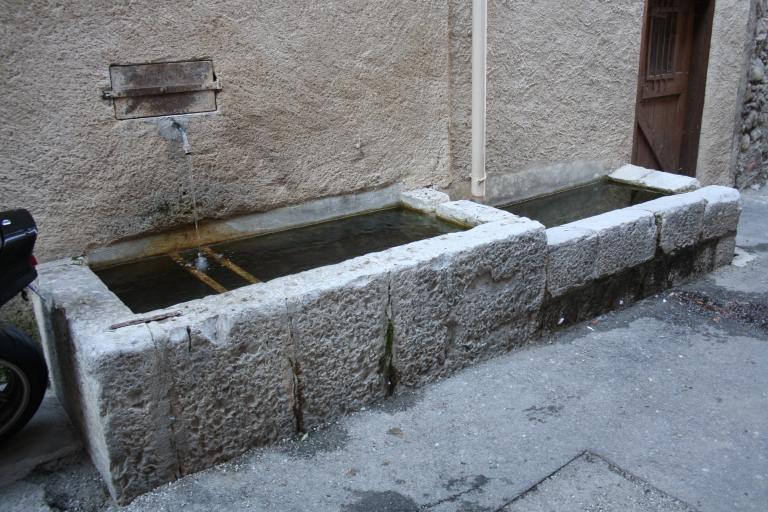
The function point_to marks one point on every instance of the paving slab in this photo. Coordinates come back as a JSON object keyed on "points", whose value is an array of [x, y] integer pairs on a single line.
{"points": [[591, 483], [653, 179], [469, 213], [423, 199]]}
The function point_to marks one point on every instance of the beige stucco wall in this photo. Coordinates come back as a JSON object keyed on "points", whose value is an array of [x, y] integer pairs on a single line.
{"points": [[320, 99], [460, 92], [726, 79], [562, 81]]}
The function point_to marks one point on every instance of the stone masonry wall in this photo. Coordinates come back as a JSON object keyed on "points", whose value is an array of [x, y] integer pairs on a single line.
{"points": [[752, 163]]}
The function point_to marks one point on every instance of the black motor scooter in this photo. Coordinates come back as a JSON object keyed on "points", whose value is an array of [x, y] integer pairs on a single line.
{"points": [[23, 372]]}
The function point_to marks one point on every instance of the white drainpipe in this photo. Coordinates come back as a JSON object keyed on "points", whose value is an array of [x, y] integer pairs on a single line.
{"points": [[479, 46]]}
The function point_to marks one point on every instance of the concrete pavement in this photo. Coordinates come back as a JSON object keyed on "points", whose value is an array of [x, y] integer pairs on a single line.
{"points": [[49, 436]]}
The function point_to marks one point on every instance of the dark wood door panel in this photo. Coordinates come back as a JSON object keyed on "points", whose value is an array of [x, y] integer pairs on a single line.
{"points": [[661, 133], [663, 110], [644, 152]]}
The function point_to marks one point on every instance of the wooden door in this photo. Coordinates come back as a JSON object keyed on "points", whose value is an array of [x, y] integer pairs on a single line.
{"points": [[670, 94]]}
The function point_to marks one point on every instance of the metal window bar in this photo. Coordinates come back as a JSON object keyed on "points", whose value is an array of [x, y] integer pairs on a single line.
{"points": [[662, 52]]}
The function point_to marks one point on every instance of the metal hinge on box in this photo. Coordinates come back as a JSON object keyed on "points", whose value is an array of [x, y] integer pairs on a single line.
{"points": [[162, 89]]}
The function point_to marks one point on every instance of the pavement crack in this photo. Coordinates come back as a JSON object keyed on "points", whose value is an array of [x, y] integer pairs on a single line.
{"points": [[639, 481], [591, 456], [479, 481], [539, 482]]}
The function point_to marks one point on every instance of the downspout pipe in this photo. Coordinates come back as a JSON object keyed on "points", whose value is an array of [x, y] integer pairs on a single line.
{"points": [[479, 49]]}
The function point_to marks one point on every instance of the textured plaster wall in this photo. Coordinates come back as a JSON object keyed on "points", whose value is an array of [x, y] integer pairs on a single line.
{"points": [[460, 91], [323, 99], [320, 99], [726, 76], [562, 80]]}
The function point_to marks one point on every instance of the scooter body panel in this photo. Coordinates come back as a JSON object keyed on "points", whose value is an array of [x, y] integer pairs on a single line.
{"points": [[18, 234]]}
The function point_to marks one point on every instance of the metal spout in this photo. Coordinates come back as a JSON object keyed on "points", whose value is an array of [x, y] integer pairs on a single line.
{"points": [[185, 145]]}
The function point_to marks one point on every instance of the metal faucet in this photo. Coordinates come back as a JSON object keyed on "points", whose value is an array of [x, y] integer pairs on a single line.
{"points": [[185, 145]]}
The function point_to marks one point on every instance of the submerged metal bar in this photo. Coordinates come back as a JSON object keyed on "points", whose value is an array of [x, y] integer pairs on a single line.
{"points": [[175, 256], [234, 267]]}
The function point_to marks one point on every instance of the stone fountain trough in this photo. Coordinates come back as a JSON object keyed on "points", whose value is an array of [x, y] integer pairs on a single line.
{"points": [[169, 392]]}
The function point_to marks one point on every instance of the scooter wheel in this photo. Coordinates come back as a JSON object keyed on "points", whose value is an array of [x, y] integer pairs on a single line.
{"points": [[23, 379]]}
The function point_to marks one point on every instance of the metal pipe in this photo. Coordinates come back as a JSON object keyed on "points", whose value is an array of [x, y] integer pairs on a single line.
{"points": [[479, 49]]}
